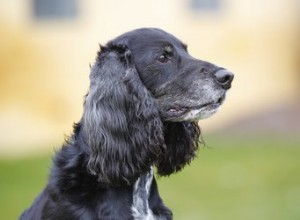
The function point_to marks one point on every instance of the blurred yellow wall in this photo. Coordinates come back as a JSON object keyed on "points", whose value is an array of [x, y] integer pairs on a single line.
{"points": [[44, 63]]}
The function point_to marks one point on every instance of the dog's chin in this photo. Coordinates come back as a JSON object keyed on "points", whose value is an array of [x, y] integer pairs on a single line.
{"points": [[191, 114], [202, 113]]}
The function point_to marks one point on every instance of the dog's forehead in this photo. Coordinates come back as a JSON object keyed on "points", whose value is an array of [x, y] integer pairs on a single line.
{"points": [[150, 37], [165, 40]]}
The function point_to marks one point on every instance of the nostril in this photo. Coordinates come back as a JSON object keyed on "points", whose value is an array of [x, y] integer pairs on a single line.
{"points": [[224, 78]]}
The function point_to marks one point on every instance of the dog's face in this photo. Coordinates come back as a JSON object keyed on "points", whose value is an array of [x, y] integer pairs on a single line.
{"points": [[185, 88], [146, 93]]}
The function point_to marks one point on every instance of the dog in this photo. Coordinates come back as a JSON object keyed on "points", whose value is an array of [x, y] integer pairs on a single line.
{"points": [[145, 98]]}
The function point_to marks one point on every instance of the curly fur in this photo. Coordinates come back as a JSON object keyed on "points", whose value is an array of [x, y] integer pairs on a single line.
{"points": [[132, 120], [120, 120]]}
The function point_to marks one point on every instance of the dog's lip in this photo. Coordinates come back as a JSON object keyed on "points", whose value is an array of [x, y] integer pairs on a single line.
{"points": [[180, 110], [177, 111]]}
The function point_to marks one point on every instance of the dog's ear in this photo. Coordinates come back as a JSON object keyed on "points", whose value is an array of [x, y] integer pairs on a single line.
{"points": [[121, 123], [182, 141]]}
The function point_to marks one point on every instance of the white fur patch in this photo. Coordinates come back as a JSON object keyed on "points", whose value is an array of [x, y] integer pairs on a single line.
{"points": [[198, 114], [141, 191]]}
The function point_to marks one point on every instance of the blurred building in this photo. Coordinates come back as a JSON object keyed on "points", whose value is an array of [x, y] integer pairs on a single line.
{"points": [[46, 47]]}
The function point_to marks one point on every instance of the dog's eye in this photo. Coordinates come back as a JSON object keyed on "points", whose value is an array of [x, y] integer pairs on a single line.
{"points": [[163, 58]]}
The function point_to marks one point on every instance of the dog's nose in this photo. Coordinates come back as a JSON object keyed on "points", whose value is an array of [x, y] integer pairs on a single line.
{"points": [[224, 78]]}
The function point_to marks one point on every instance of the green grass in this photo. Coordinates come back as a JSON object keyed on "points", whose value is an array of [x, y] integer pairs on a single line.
{"points": [[20, 182], [236, 179], [242, 180]]}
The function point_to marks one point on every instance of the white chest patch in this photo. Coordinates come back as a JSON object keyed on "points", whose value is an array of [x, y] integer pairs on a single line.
{"points": [[141, 191]]}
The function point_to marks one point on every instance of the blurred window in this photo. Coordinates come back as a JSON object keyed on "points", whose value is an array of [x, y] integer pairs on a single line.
{"points": [[55, 9], [205, 5]]}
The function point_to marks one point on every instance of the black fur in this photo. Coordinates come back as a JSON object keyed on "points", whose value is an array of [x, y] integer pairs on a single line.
{"points": [[136, 115]]}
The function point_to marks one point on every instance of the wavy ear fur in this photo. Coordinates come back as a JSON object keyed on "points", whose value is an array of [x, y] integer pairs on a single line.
{"points": [[182, 140], [121, 124]]}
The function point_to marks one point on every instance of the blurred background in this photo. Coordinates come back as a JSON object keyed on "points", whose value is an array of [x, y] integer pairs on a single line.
{"points": [[249, 167]]}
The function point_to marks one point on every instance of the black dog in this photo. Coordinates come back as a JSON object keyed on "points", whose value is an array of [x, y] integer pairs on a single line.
{"points": [[145, 98]]}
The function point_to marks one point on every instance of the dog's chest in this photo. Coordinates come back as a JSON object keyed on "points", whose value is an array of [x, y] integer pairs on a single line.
{"points": [[141, 191]]}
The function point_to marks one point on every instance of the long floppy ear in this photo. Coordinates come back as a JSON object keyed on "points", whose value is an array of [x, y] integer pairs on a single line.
{"points": [[182, 141], [121, 124]]}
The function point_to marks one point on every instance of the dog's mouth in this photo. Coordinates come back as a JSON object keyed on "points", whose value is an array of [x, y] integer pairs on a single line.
{"points": [[193, 113]]}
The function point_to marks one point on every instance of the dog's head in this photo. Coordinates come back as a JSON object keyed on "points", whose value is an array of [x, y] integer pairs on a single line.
{"points": [[185, 88], [146, 94]]}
